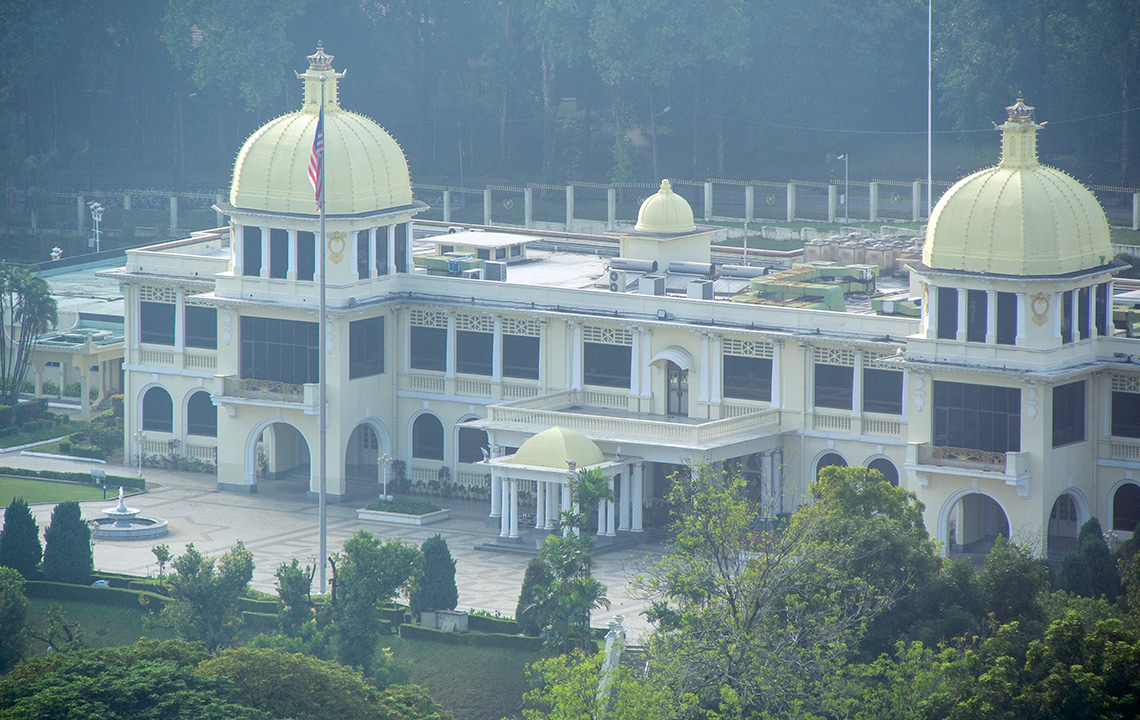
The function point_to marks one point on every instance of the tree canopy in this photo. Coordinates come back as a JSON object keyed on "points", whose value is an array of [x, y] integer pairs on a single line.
{"points": [[20, 547]]}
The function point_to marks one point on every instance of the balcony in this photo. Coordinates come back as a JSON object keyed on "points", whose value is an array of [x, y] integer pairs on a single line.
{"points": [[247, 391], [165, 357], [604, 415], [1120, 449], [925, 460], [946, 456]]}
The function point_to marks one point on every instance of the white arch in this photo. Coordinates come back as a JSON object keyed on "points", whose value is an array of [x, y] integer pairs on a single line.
{"points": [[186, 409], [411, 432], [895, 465], [380, 430], [819, 456], [140, 400], [1110, 500], [251, 447], [1084, 512], [948, 505], [455, 440], [679, 356]]}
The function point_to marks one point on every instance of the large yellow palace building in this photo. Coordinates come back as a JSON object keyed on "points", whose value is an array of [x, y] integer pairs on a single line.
{"points": [[1008, 403]]}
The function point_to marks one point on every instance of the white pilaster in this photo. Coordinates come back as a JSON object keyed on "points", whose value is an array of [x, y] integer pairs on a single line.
{"points": [[574, 329], [372, 252], [354, 255], [623, 519], [963, 294], [991, 317], [505, 512], [451, 347], [291, 270], [514, 508], [646, 356], [635, 363], [237, 240], [264, 252], [635, 496], [391, 255], [930, 311], [179, 321], [857, 385], [497, 351], [707, 361], [716, 369], [1021, 310], [777, 381]]}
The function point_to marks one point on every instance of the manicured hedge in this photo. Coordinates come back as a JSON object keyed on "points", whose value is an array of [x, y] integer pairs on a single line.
{"points": [[396, 614], [259, 622], [484, 624], [89, 594], [80, 477], [499, 640], [253, 605]]}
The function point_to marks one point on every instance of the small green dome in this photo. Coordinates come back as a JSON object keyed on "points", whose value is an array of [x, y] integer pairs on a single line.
{"points": [[365, 169], [1019, 217], [665, 212], [552, 448]]}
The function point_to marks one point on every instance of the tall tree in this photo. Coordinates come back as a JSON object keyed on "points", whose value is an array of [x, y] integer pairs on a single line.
{"points": [[20, 547], [437, 589], [67, 547], [204, 594], [27, 310], [13, 619]]}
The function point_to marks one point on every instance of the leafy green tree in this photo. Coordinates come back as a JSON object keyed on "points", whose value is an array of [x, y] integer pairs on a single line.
{"points": [[13, 619], [1088, 569], [303, 688], [566, 688], [368, 573], [565, 603], [59, 634], [204, 594], [67, 550], [28, 309], [20, 547], [1011, 583], [294, 587], [162, 555], [589, 490], [437, 589], [528, 612]]}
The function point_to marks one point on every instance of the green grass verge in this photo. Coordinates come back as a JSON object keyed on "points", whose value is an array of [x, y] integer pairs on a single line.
{"points": [[1120, 236], [44, 491], [474, 683], [103, 625], [23, 438]]}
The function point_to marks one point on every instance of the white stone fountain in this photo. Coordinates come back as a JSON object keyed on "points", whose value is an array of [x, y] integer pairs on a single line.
{"points": [[123, 523]]}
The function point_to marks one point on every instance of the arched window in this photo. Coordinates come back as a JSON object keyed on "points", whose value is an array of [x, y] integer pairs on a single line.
{"points": [[158, 410], [827, 461], [427, 438], [1126, 507], [887, 468], [201, 415], [471, 444]]}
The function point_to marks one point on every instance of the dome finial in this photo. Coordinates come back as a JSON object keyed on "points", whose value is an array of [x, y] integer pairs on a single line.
{"points": [[1019, 112], [319, 60]]}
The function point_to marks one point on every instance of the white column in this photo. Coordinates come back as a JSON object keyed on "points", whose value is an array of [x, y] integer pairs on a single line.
{"points": [[496, 487], [930, 311], [291, 271], [1108, 307], [1021, 309], [857, 385], [514, 508], [354, 255], [409, 263], [716, 370], [372, 269], [551, 506], [497, 351], [179, 320], [646, 355], [1058, 311], [623, 519], [575, 331], [777, 382], [1075, 315], [635, 363], [450, 360], [991, 317], [540, 504], [601, 518], [962, 295], [565, 504], [611, 508], [505, 509], [391, 256], [1092, 311], [706, 371], [264, 252], [237, 242], [635, 496]]}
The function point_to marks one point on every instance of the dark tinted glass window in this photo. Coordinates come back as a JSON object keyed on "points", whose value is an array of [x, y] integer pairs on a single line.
{"points": [[251, 251], [833, 386], [306, 256], [429, 348], [362, 254], [977, 417], [279, 350], [473, 352], [471, 442], [366, 347], [158, 410], [976, 310], [427, 438], [947, 313], [156, 323], [887, 468], [201, 415], [1068, 413], [201, 327], [748, 378], [1126, 414], [1126, 507], [1006, 318], [520, 357], [607, 365], [278, 253], [882, 391]]}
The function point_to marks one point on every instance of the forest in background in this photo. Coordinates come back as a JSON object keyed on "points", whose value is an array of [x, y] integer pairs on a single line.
{"points": [[141, 93]]}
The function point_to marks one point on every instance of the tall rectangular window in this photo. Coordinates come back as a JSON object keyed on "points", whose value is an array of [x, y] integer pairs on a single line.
{"points": [[1068, 329], [1006, 318], [279, 350], [1101, 307], [833, 386], [977, 417], [473, 352], [1125, 414], [362, 244], [607, 365], [251, 251], [401, 250], [747, 378], [382, 251], [976, 315], [201, 327], [156, 322], [1068, 413], [1083, 313], [365, 347], [278, 253], [882, 391], [947, 313], [306, 256], [520, 357], [429, 348]]}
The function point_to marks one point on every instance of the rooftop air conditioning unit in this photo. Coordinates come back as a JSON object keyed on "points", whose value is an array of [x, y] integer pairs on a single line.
{"points": [[651, 285], [493, 270], [473, 274], [699, 290], [618, 281]]}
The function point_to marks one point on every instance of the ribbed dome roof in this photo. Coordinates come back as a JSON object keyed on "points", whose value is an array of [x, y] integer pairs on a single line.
{"points": [[552, 448], [365, 169], [1019, 217], [665, 212]]}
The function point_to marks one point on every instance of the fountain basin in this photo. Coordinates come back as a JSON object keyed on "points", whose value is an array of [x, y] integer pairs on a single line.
{"points": [[136, 528]]}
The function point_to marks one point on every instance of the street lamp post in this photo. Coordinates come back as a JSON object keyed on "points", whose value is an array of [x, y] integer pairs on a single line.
{"points": [[140, 438], [846, 194], [653, 136], [96, 216], [385, 462]]}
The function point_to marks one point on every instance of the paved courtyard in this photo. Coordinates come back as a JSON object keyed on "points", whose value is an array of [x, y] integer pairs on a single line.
{"points": [[279, 523]]}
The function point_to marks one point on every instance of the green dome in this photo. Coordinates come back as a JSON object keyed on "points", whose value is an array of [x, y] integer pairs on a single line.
{"points": [[1019, 217], [552, 448], [365, 169]]}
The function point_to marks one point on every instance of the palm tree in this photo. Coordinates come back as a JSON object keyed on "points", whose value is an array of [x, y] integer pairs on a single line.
{"points": [[28, 310], [589, 489]]}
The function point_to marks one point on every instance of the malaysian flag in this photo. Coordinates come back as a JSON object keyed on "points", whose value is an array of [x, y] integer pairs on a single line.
{"points": [[317, 159]]}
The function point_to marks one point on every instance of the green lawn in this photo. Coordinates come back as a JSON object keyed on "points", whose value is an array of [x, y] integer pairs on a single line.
{"points": [[103, 625], [23, 438], [45, 491]]}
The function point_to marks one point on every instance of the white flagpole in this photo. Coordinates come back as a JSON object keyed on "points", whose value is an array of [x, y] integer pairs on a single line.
{"points": [[322, 415], [929, 97]]}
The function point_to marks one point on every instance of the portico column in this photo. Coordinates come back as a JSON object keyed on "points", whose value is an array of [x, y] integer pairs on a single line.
{"points": [[1075, 315], [450, 350], [601, 517], [1059, 305], [514, 508], [930, 311], [264, 253], [962, 295], [540, 504], [623, 519], [551, 506], [505, 517], [715, 369], [777, 400], [291, 271], [707, 360], [179, 319], [635, 496], [1021, 309], [1092, 311], [565, 504], [857, 385], [574, 329], [496, 488], [391, 255], [991, 317], [497, 351], [409, 263], [372, 252], [237, 242], [610, 508]]}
